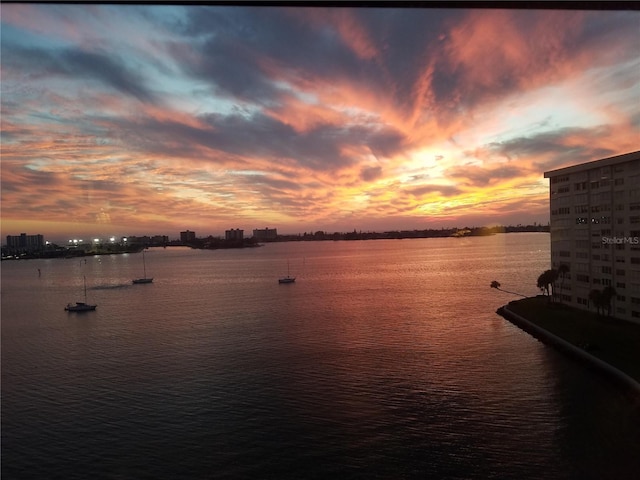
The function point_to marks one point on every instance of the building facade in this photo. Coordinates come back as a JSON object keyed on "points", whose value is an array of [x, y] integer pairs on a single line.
{"points": [[187, 236], [595, 232], [24, 243], [265, 234], [234, 235]]}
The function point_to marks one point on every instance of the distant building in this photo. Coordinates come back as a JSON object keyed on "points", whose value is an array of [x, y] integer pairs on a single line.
{"points": [[149, 241], [265, 234], [595, 231], [24, 243], [159, 240], [234, 235], [187, 236]]}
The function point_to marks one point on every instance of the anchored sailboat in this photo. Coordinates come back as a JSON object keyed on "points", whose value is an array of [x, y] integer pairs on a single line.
{"points": [[81, 306], [288, 278], [143, 279]]}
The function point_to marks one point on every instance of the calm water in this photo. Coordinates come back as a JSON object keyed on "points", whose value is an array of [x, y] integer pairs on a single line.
{"points": [[384, 360]]}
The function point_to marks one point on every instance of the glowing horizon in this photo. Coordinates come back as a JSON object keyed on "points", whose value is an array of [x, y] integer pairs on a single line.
{"points": [[150, 120]]}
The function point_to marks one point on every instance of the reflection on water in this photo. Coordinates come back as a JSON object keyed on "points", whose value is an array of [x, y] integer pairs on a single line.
{"points": [[385, 359]]}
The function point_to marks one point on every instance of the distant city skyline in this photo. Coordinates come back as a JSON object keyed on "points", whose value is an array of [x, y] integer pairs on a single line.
{"points": [[158, 238], [151, 119]]}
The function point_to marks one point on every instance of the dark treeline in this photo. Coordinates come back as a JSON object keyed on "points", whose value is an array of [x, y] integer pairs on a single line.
{"points": [[426, 233]]}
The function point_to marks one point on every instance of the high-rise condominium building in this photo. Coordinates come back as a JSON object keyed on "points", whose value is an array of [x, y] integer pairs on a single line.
{"points": [[595, 232], [24, 243], [187, 236], [234, 235], [265, 234]]}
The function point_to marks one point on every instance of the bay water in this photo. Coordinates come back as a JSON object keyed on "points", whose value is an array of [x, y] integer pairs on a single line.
{"points": [[385, 359]]}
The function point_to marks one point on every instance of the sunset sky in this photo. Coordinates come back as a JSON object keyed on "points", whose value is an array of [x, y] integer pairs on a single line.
{"points": [[149, 120]]}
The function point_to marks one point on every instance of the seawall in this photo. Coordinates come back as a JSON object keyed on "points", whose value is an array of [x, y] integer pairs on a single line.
{"points": [[621, 378]]}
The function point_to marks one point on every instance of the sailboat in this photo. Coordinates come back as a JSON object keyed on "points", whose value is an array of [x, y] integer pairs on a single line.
{"points": [[288, 278], [143, 279], [81, 306]]}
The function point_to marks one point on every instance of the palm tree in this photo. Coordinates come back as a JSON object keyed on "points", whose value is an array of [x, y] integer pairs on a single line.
{"points": [[607, 294], [595, 297], [546, 282], [495, 284], [563, 269]]}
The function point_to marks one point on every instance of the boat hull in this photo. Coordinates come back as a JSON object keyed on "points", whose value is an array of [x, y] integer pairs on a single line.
{"points": [[80, 307]]}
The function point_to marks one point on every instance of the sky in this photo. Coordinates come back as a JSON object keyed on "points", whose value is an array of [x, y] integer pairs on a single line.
{"points": [[154, 119]]}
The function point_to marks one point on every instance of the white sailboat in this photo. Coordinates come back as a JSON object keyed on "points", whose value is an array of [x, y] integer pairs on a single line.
{"points": [[288, 278], [81, 306], [143, 279]]}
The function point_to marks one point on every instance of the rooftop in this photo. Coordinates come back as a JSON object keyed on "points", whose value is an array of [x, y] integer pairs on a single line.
{"points": [[605, 162]]}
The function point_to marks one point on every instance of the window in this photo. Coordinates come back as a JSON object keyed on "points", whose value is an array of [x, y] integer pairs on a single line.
{"points": [[581, 209], [581, 267]]}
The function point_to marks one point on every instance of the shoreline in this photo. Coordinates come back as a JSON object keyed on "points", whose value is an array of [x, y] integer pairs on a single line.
{"points": [[585, 352]]}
